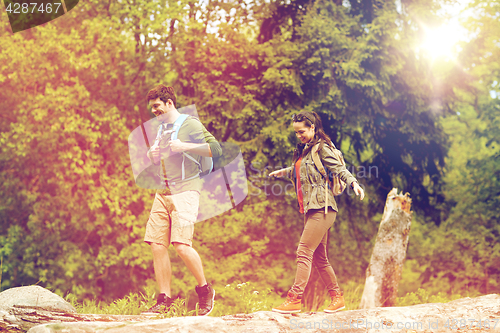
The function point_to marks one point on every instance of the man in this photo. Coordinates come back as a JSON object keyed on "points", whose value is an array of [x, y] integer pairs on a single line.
{"points": [[175, 208]]}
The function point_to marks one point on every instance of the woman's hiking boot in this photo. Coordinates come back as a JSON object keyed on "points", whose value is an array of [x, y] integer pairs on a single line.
{"points": [[293, 304], [337, 303]]}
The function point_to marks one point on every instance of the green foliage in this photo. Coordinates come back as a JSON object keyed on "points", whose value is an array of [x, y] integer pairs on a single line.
{"points": [[352, 296], [72, 219], [242, 298], [466, 251], [131, 304], [238, 298], [421, 296], [232, 299], [69, 207]]}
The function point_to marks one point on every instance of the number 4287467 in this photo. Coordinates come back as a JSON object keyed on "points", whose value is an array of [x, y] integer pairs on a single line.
{"points": [[25, 8]]}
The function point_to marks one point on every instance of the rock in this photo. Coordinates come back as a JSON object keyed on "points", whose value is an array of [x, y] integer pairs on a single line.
{"points": [[480, 314], [23, 318], [15, 302], [34, 297]]}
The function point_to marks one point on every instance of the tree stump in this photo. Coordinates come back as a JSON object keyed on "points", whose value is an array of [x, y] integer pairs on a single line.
{"points": [[386, 264]]}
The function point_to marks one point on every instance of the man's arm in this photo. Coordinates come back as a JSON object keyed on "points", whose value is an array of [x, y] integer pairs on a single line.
{"points": [[202, 149], [214, 145], [208, 145]]}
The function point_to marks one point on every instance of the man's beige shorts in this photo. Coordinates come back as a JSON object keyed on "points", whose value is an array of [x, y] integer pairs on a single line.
{"points": [[172, 218]]}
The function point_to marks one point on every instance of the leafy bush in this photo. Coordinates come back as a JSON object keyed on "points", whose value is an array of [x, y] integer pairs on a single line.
{"points": [[421, 296]]}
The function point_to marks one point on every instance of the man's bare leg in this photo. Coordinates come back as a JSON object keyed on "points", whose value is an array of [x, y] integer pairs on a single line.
{"points": [[192, 260], [163, 271]]}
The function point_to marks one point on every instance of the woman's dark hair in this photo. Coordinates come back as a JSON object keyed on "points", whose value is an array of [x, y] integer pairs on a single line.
{"points": [[163, 92], [310, 118]]}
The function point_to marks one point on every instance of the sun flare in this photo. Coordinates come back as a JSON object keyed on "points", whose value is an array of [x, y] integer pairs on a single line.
{"points": [[442, 42]]}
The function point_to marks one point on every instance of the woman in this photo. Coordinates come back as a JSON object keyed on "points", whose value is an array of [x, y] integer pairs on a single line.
{"points": [[310, 188]]}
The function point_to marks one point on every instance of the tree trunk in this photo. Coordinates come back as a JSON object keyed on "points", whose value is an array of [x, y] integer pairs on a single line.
{"points": [[386, 263]]}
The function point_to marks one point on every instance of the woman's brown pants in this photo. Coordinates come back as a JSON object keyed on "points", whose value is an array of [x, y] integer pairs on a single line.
{"points": [[312, 251]]}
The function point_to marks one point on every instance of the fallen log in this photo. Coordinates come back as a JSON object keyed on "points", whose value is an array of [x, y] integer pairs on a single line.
{"points": [[21, 318], [478, 315]]}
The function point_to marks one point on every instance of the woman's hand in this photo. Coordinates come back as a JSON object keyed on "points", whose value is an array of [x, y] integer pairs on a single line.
{"points": [[358, 190], [277, 173]]}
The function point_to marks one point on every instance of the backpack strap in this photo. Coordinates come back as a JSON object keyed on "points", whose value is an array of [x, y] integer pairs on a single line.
{"points": [[317, 160], [321, 169], [177, 125], [192, 159]]}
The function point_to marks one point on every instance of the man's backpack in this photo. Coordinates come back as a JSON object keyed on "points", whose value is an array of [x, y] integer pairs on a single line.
{"points": [[205, 163], [338, 186]]}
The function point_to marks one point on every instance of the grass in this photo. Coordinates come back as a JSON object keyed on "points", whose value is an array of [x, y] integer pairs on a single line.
{"points": [[243, 298], [234, 298], [352, 296], [132, 304], [237, 298], [421, 296]]}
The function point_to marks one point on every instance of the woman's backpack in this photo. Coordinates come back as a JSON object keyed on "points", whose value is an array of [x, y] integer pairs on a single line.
{"points": [[338, 186]]}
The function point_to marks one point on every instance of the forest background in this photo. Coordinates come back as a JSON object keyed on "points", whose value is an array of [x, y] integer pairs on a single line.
{"points": [[71, 91]]}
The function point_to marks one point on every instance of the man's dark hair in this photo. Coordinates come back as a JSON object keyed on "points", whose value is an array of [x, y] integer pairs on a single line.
{"points": [[163, 92]]}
